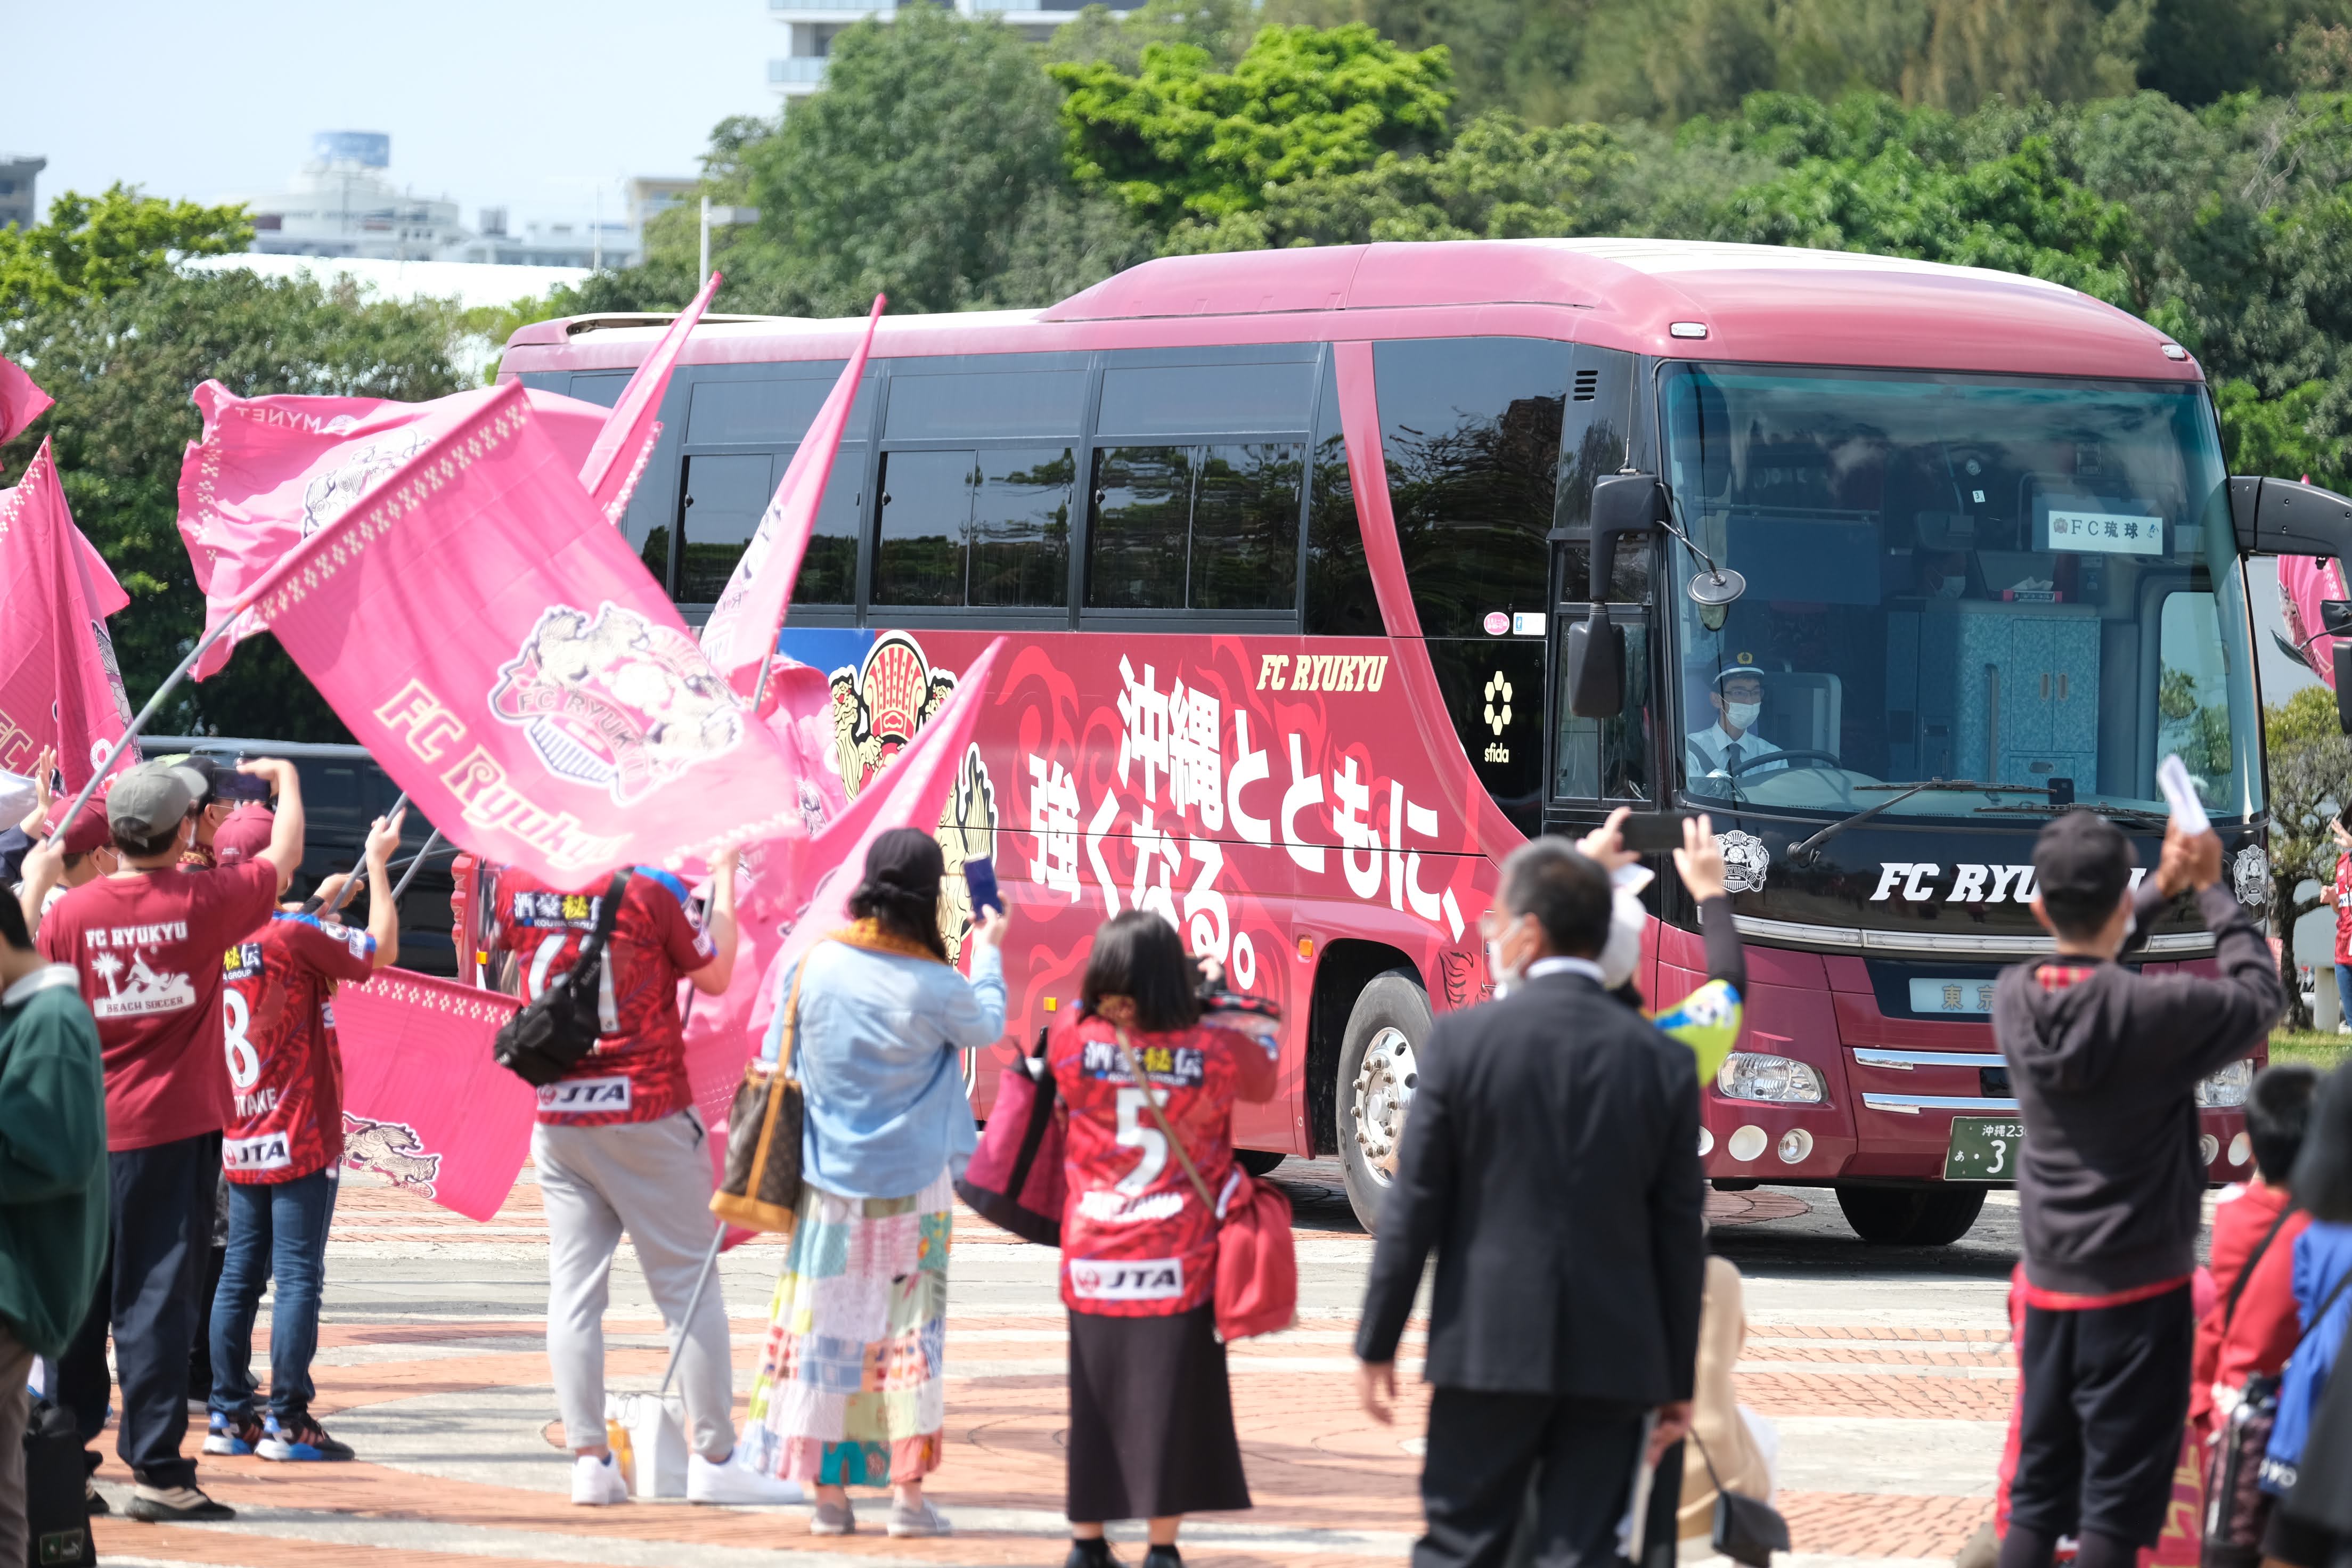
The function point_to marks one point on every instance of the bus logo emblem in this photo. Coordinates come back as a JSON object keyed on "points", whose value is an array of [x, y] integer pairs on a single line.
{"points": [[2250, 873], [1745, 862]]}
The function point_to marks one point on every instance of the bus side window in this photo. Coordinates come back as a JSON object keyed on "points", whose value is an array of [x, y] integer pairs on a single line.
{"points": [[725, 494], [926, 528], [1137, 549], [1021, 527], [1595, 439], [1340, 597], [1610, 758]]}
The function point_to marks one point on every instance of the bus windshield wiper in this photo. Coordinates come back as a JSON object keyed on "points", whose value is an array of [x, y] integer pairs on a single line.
{"points": [[1807, 852], [2139, 818]]}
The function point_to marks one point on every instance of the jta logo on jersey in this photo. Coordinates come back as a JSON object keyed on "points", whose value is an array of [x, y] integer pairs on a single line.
{"points": [[580, 1096], [1127, 1279], [266, 1153]]}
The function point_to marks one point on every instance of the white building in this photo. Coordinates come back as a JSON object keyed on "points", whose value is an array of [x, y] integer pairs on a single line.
{"points": [[811, 25], [17, 204], [342, 203]]}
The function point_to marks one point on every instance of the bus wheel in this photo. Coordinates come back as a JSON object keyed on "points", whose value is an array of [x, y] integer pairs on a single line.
{"points": [[1379, 1068], [1911, 1217], [1259, 1162]]}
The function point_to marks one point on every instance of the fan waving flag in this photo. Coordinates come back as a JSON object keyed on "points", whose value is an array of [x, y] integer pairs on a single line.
{"points": [[60, 685], [21, 402], [424, 1106], [626, 442], [272, 472], [740, 634], [501, 650]]}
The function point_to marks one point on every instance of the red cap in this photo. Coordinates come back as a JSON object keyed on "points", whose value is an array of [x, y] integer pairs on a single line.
{"points": [[244, 833], [89, 831]]}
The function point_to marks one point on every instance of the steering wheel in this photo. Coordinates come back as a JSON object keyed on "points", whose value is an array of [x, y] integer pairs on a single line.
{"points": [[1818, 759]]}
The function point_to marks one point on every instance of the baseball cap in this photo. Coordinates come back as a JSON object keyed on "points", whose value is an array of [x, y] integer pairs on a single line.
{"points": [[2082, 863], [88, 830], [244, 834], [153, 798]]}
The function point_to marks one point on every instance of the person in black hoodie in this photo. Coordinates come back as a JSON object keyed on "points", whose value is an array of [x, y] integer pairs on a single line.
{"points": [[2105, 1064]]}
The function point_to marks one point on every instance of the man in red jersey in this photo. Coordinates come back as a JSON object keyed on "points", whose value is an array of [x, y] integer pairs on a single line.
{"points": [[619, 1148], [2342, 895], [285, 1142], [146, 944]]}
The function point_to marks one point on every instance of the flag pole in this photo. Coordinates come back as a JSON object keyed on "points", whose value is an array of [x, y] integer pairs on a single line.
{"points": [[417, 864], [154, 704], [352, 880]]}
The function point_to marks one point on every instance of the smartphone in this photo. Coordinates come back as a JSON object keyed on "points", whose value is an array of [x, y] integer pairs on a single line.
{"points": [[237, 788], [1649, 832], [980, 876]]}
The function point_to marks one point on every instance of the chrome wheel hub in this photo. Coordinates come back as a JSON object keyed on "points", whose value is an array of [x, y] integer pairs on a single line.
{"points": [[1384, 1086]]}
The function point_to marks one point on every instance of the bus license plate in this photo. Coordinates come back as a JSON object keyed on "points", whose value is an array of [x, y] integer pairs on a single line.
{"points": [[1983, 1149]]}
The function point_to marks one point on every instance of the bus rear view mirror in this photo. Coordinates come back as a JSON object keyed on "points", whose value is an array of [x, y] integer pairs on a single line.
{"points": [[2343, 653], [1593, 659], [2336, 616], [1622, 505]]}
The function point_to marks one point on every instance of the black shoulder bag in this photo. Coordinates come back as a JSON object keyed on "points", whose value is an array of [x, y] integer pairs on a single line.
{"points": [[548, 1037]]}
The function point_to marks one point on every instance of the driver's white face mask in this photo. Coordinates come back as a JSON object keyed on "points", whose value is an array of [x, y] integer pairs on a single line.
{"points": [[1742, 715]]}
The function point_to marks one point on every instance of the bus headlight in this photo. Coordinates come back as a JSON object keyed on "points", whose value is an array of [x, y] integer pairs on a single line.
{"points": [[2226, 1087], [1749, 1075]]}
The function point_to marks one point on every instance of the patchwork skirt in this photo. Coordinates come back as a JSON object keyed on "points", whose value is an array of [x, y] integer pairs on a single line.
{"points": [[850, 1390]]}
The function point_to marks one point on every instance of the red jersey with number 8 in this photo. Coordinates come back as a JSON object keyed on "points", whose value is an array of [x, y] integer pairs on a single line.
{"points": [[278, 1027], [637, 1072], [1137, 1241]]}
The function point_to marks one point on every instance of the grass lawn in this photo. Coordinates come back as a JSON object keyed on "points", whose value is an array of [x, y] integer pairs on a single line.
{"points": [[2319, 1050]]}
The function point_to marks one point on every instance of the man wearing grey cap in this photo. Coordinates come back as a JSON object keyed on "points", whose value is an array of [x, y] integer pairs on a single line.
{"points": [[146, 944]]}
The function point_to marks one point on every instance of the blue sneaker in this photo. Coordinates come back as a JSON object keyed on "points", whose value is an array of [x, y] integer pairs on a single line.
{"points": [[233, 1434], [303, 1440]]}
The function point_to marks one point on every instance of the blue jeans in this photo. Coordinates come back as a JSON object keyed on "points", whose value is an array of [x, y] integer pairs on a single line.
{"points": [[279, 1228], [2344, 993]]}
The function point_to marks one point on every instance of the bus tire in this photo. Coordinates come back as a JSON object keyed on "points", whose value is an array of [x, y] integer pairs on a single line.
{"points": [[1259, 1162], [1387, 1030], [1934, 1215]]}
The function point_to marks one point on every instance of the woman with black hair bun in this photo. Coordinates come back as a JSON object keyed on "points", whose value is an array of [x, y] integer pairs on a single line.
{"points": [[1152, 1414], [874, 1021]]}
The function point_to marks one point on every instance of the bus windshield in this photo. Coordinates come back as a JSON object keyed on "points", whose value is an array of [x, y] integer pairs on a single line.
{"points": [[2029, 586]]}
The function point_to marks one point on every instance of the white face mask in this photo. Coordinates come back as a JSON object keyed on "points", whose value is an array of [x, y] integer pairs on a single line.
{"points": [[1505, 976], [1622, 950], [1741, 715], [1951, 587]]}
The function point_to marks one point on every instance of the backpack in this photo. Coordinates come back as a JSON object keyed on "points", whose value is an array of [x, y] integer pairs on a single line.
{"points": [[547, 1039], [57, 1492]]}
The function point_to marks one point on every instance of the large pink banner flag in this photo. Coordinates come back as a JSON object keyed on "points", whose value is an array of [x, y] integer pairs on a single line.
{"points": [[794, 891], [626, 442], [21, 402], [60, 685], [740, 634], [424, 1105], [272, 472], [2304, 582], [499, 649]]}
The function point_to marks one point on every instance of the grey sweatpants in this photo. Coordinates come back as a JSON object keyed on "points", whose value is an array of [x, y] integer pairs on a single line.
{"points": [[651, 1179]]}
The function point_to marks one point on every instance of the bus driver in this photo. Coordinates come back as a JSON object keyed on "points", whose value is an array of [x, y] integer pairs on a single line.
{"points": [[1717, 750]]}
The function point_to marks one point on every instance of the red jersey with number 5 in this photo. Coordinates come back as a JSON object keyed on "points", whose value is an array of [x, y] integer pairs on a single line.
{"points": [[637, 1072], [1137, 1241], [278, 1027]]}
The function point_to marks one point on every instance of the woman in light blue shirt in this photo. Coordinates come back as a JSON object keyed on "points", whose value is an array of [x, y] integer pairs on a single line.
{"points": [[874, 1021]]}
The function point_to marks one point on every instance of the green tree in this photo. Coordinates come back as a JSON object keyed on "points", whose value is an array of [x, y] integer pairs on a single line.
{"points": [[96, 245], [1222, 27], [1183, 139], [120, 367], [2309, 775]]}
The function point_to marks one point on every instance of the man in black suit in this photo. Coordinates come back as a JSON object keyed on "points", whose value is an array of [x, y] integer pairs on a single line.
{"points": [[1551, 1159]]}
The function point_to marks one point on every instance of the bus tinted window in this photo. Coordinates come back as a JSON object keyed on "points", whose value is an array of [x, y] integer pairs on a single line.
{"points": [[1245, 527], [1470, 428], [769, 411], [1205, 399], [1340, 597], [725, 494], [1021, 527], [602, 387], [829, 569], [926, 524], [1137, 549], [998, 403]]}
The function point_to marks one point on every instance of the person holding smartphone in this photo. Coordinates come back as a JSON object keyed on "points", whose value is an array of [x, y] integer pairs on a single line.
{"points": [[874, 1021]]}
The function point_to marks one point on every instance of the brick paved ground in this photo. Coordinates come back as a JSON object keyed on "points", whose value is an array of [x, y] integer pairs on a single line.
{"points": [[445, 1397]]}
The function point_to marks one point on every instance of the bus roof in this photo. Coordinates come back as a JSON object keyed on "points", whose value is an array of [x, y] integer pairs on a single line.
{"points": [[1675, 298]]}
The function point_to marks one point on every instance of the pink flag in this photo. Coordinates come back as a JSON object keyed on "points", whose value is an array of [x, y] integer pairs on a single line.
{"points": [[424, 1105], [794, 891], [742, 631], [627, 441], [21, 402], [499, 648], [272, 472], [2304, 582], [60, 685]]}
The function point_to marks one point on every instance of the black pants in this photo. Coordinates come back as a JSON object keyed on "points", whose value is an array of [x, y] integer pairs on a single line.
{"points": [[1483, 1447], [2105, 1395], [161, 1205]]}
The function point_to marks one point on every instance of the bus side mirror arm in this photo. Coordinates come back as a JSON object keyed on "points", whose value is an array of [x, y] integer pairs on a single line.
{"points": [[2280, 517], [1592, 659], [1622, 505]]}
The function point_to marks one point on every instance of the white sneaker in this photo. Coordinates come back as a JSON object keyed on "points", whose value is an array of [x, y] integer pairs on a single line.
{"points": [[596, 1483], [729, 1482]]}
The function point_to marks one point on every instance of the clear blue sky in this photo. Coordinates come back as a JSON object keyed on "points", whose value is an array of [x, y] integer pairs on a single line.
{"points": [[529, 103]]}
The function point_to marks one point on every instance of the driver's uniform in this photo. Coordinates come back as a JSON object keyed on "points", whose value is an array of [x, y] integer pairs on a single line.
{"points": [[1714, 752]]}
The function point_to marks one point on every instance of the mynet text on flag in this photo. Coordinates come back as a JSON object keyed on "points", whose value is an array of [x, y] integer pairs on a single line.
{"points": [[498, 648]]}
